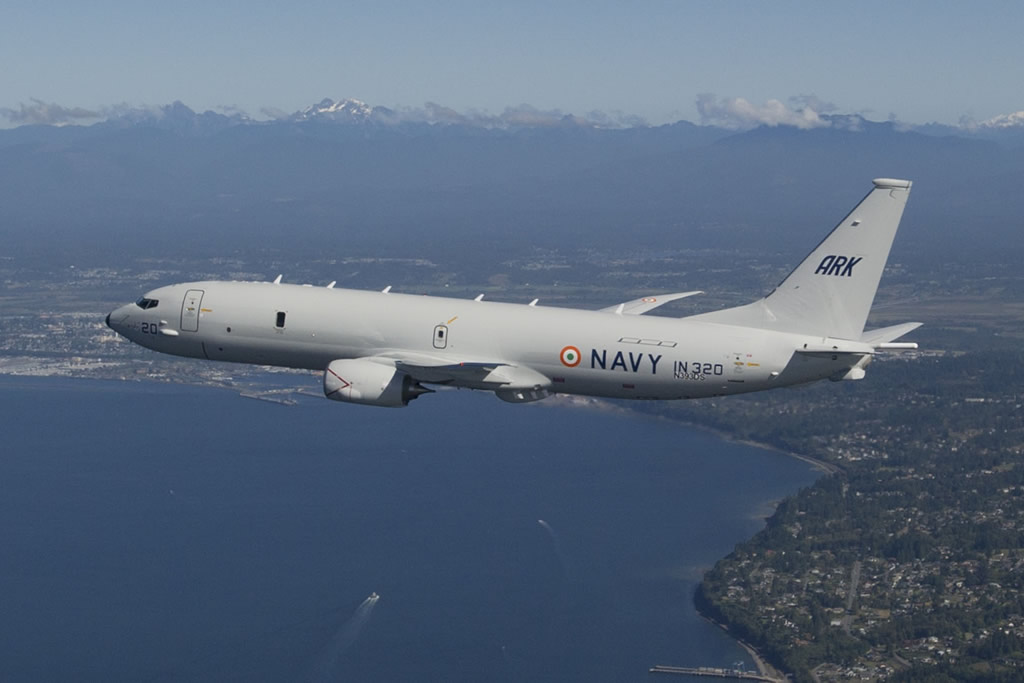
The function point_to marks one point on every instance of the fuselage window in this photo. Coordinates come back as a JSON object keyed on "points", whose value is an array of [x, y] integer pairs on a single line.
{"points": [[280, 319]]}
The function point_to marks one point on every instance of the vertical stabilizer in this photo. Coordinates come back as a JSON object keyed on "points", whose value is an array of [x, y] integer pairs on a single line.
{"points": [[830, 293]]}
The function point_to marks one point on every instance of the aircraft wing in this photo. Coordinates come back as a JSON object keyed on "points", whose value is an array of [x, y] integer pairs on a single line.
{"points": [[647, 303], [439, 369], [492, 375], [458, 373], [444, 370]]}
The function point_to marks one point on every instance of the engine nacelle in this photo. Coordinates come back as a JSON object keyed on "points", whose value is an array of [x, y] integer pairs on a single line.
{"points": [[363, 381]]}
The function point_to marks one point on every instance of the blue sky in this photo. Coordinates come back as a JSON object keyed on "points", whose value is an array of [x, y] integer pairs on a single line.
{"points": [[919, 61]]}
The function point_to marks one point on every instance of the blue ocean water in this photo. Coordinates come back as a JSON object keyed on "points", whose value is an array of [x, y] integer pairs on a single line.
{"points": [[153, 532]]}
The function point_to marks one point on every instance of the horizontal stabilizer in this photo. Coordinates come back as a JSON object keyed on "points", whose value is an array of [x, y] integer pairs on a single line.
{"points": [[647, 303], [883, 337], [837, 347]]}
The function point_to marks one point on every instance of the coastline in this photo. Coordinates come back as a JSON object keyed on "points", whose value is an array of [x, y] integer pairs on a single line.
{"points": [[763, 667], [601, 404], [824, 467]]}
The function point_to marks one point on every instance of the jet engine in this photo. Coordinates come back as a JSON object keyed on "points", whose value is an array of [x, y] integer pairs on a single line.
{"points": [[361, 380]]}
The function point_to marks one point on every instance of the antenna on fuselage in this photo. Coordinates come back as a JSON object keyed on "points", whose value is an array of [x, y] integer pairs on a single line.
{"points": [[386, 290], [331, 285], [533, 303], [277, 280]]}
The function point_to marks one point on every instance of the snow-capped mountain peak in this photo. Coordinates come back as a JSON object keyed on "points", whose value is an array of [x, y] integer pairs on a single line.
{"points": [[343, 110]]}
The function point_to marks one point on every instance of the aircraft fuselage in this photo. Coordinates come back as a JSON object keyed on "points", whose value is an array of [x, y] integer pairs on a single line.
{"points": [[571, 351], [380, 348]]}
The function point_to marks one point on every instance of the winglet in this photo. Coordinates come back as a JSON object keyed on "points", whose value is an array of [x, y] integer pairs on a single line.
{"points": [[892, 184]]}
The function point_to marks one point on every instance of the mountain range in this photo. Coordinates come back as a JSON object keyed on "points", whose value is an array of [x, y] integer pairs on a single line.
{"points": [[345, 177]]}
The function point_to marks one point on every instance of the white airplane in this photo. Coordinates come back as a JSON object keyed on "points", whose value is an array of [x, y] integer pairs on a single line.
{"points": [[381, 348]]}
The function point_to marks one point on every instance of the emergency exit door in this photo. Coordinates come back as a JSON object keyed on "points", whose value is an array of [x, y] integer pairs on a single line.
{"points": [[190, 310]]}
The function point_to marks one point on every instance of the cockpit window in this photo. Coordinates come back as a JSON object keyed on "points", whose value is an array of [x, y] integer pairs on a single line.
{"points": [[145, 303]]}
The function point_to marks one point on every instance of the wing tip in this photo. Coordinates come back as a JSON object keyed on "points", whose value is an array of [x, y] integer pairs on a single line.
{"points": [[892, 184]]}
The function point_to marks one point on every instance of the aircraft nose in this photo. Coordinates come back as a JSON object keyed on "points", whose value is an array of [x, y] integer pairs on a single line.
{"points": [[115, 318]]}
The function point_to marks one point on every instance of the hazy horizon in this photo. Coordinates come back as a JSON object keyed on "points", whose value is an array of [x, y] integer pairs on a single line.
{"points": [[662, 62]]}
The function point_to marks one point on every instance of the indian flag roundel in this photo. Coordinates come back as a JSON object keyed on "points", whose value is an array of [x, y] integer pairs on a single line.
{"points": [[570, 356]]}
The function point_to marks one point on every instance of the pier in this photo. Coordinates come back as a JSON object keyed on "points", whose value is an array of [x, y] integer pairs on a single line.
{"points": [[733, 674]]}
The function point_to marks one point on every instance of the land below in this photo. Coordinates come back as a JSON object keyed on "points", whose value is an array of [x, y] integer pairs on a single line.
{"points": [[904, 561]]}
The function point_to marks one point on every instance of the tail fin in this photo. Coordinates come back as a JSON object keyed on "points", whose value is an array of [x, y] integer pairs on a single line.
{"points": [[830, 293]]}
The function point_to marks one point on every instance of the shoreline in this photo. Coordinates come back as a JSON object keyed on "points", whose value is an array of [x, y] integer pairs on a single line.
{"points": [[820, 465], [587, 402], [763, 667]]}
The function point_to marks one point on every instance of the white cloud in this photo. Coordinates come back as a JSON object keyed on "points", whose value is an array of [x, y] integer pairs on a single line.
{"points": [[739, 113], [38, 112], [1011, 120]]}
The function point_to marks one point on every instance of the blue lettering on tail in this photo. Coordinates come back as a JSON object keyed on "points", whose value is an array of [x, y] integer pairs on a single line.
{"points": [[840, 266]]}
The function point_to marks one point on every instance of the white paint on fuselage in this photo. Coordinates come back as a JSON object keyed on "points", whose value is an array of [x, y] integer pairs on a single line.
{"points": [[377, 348], [237, 323]]}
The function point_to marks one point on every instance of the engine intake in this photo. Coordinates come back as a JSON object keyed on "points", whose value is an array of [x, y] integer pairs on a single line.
{"points": [[365, 381]]}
